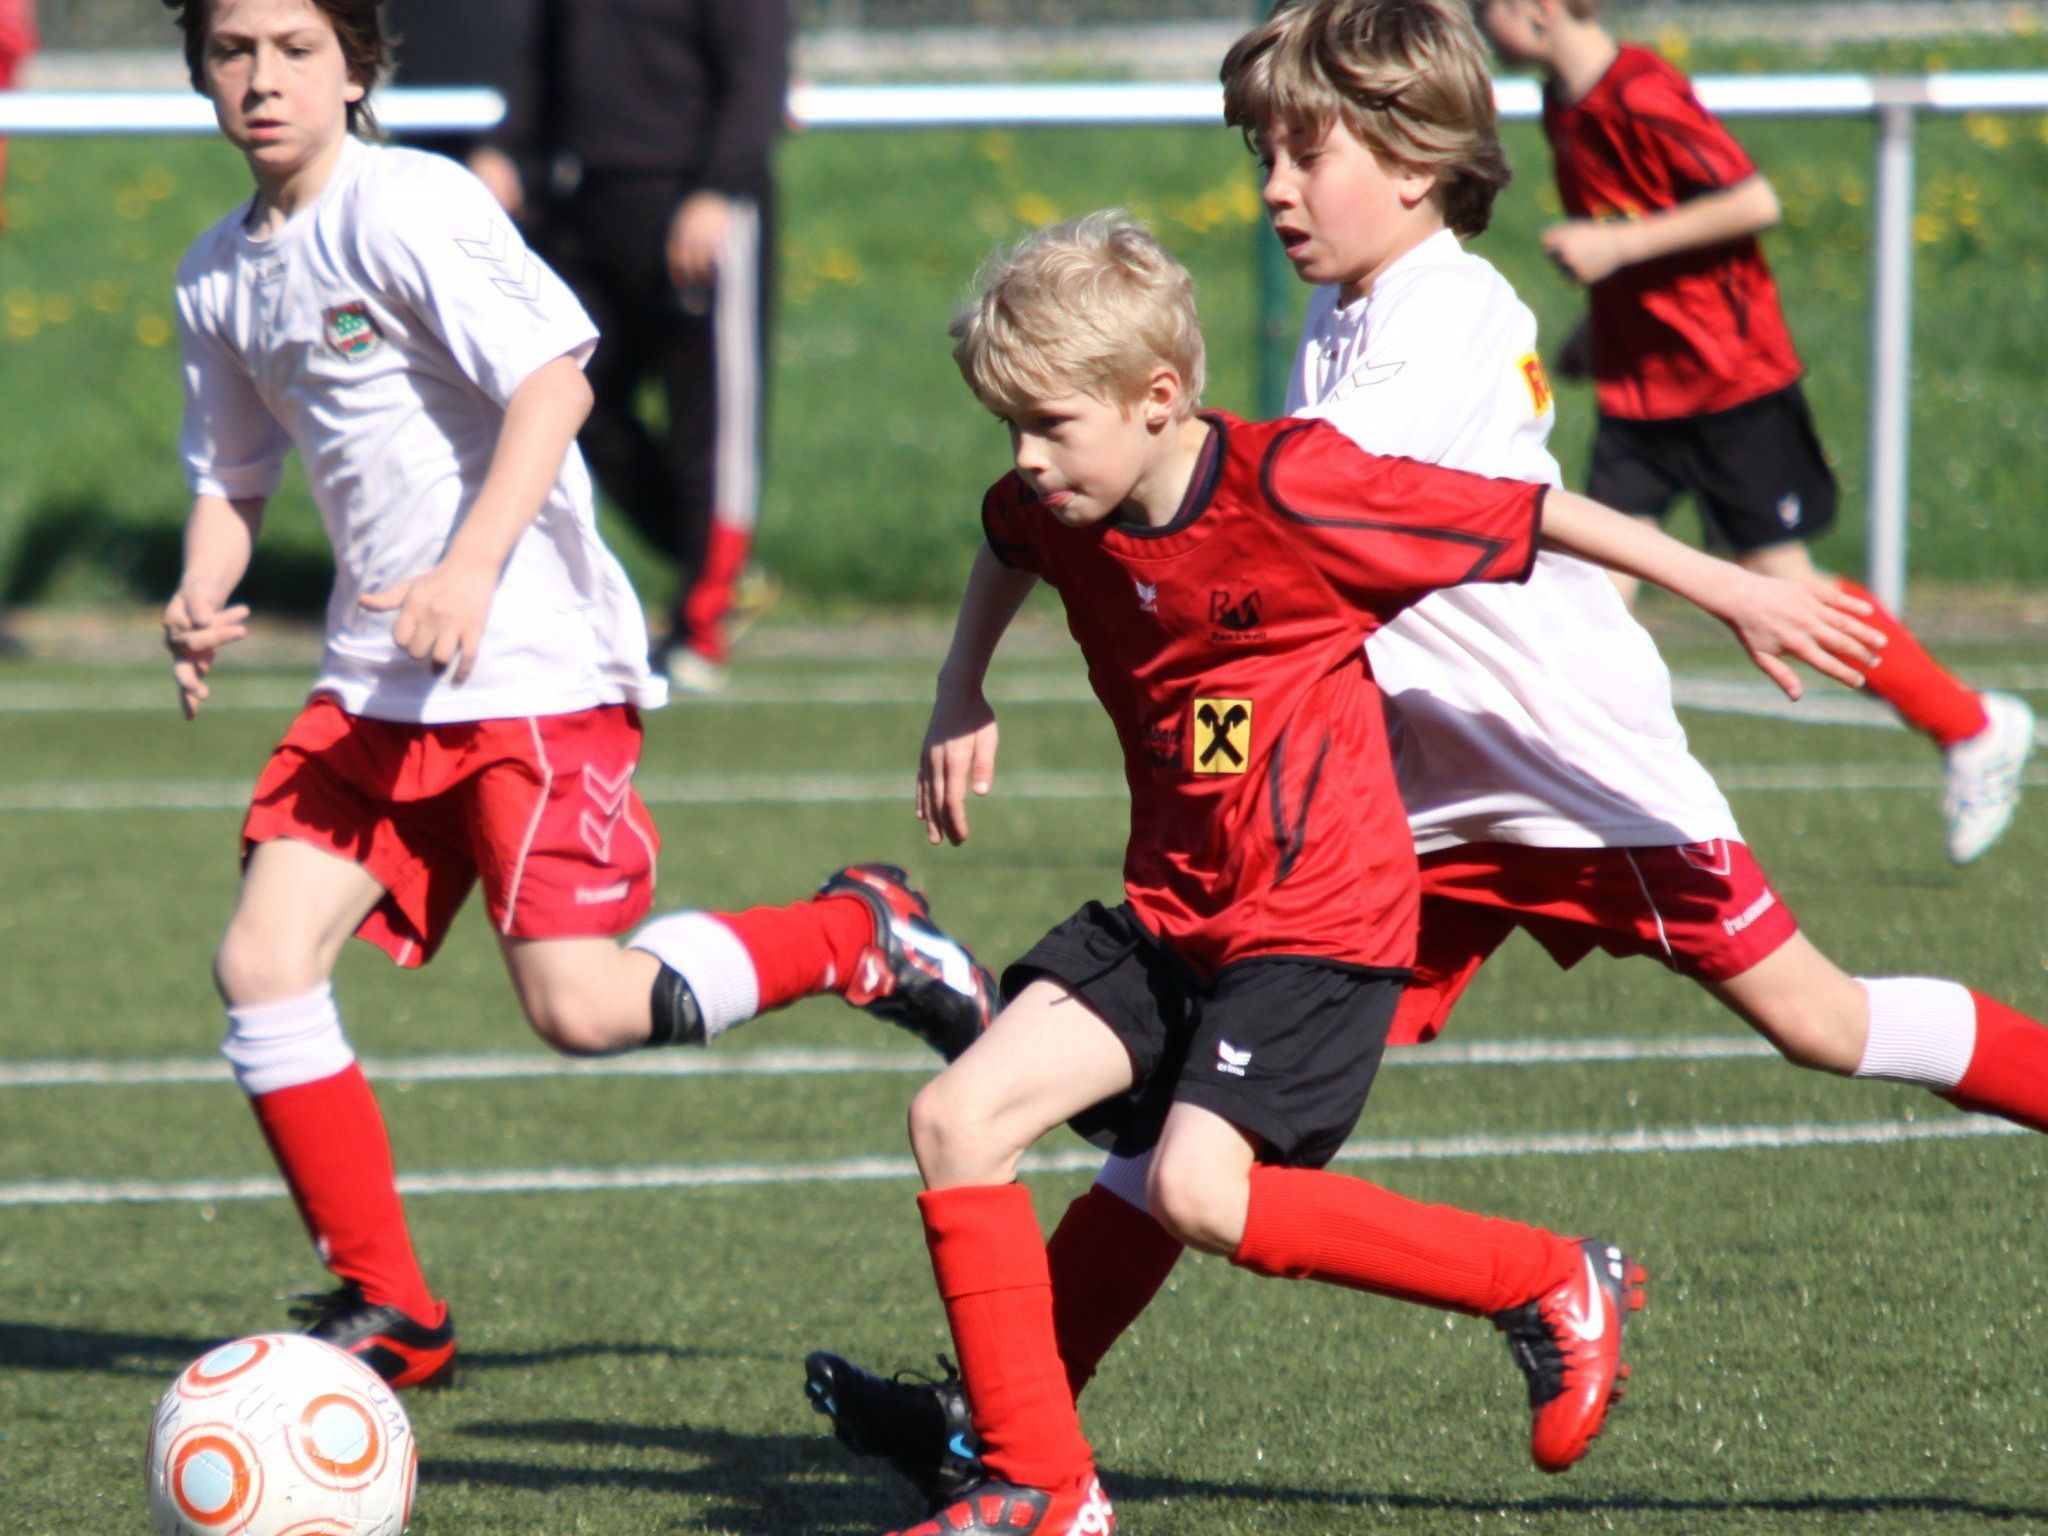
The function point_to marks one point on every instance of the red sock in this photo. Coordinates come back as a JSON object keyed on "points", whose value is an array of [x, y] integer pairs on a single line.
{"points": [[989, 1259], [329, 1141], [1107, 1259], [2008, 1071], [806, 947], [1308, 1225], [1928, 697], [709, 599]]}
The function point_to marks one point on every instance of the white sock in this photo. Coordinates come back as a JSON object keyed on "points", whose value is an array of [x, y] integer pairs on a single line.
{"points": [[1921, 1031], [1124, 1177], [282, 1045], [711, 958]]}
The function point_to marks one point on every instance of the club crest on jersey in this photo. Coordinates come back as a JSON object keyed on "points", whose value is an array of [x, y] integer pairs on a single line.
{"points": [[1538, 381], [1148, 595], [1223, 735], [1236, 615], [351, 331]]}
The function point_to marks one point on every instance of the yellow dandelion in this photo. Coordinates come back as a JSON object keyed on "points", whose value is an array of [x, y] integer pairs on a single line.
{"points": [[105, 297], [157, 184], [1968, 216], [21, 304], [996, 148], [130, 203], [22, 327], [1927, 229], [1674, 45], [58, 308], [840, 266], [152, 330], [1988, 129], [1246, 206], [1034, 208], [1850, 191]]}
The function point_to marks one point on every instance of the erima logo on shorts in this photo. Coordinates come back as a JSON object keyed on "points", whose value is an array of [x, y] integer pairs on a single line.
{"points": [[351, 331], [601, 895], [1749, 914], [1230, 1060]]}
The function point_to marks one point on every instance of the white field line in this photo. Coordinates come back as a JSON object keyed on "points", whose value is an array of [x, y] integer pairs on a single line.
{"points": [[1714, 693], [273, 695], [523, 1181], [887, 788], [491, 1067]]}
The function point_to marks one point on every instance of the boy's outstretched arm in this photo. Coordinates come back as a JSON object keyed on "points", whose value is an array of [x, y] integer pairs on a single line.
{"points": [[1588, 250], [441, 612], [959, 753], [220, 536], [1772, 617]]}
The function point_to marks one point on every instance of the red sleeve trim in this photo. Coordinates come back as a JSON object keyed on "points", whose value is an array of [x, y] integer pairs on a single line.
{"points": [[1486, 551]]}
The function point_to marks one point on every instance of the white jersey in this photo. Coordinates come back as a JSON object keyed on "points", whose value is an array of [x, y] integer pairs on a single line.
{"points": [[381, 332], [1537, 714]]}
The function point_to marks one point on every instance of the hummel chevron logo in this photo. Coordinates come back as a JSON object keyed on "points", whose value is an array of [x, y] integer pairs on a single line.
{"points": [[599, 826], [498, 253]]}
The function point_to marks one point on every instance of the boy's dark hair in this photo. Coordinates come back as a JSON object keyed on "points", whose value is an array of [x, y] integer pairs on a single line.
{"points": [[1408, 78], [357, 28]]}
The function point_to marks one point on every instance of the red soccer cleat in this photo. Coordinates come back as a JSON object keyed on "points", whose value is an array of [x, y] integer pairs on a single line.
{"points": [[1568, 1343], [401, 1349], [993, 1507], [913, 973]]}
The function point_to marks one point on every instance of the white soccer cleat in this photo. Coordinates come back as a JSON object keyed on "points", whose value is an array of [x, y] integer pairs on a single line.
{"points": [[688, 672], [1983, 783]]}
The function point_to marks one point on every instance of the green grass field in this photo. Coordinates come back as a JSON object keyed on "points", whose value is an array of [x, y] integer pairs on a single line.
{"points": [[1842, 1335], [877, 449]]}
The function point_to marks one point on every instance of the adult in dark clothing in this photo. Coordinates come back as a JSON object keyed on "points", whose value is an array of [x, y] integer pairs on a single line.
{"points": [[656, 120], [466, 42]]}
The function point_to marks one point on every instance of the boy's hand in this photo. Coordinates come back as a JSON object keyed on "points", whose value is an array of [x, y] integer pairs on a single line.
{"points": [[959, 756], [1813, 621], [441, 614], [1586, 250], [196, 626]]}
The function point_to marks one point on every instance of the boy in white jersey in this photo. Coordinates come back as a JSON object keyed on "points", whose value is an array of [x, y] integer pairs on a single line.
{"points": [[1547, 780], [476, 714]]}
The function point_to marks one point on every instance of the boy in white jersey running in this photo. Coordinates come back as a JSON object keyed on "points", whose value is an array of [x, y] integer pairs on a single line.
{"points": [[476, 714], [1547, 780]]}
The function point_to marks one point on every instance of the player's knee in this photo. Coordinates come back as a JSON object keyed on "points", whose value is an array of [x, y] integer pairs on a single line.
{"points": [[577, 1022], [252, 967], [1200, 1209], [957, 1140]]}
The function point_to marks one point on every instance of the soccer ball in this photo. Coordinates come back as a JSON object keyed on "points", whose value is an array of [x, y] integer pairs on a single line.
{"points": [[279, 1435]]}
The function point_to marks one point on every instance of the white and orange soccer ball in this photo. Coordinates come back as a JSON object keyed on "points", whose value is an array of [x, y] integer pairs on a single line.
{"points": [[280, 1435]]}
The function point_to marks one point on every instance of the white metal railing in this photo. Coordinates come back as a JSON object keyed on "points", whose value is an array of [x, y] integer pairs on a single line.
{"points": [[1892, 102]]}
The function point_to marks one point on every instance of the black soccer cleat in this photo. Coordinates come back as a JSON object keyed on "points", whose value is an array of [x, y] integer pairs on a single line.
{"points": [[913, 974], [405, 1352], [921, 1427]]}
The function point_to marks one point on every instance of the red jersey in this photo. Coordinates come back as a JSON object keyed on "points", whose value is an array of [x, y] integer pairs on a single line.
{"points": [[1685, 334], [1226, 647]]}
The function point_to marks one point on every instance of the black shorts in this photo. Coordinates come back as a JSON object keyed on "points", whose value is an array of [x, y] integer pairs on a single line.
{"points": [[1285, 1049], [1757, 471]]}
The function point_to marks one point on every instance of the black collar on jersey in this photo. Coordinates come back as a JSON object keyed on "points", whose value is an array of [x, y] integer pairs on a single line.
{"points": [[1201, 488]]}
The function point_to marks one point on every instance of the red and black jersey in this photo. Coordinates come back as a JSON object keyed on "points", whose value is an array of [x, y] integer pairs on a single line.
{"points": [[1226, 647], [1690, 333]]}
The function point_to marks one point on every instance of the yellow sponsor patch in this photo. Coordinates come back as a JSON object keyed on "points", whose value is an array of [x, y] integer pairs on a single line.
{"points": [[1537, 380], [1223, 735]]}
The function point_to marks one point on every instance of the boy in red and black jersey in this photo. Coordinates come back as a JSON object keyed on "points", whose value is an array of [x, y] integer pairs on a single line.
{"points": [[1229, 1014], [1697, 378]]}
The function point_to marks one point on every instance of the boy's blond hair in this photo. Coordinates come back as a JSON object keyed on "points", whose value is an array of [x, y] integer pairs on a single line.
{"points": [[1408, 78], [1092, 307]]}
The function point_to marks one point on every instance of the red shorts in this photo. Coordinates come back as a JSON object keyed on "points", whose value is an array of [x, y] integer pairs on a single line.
{"points": [[542, 808], [1704, 909]]}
